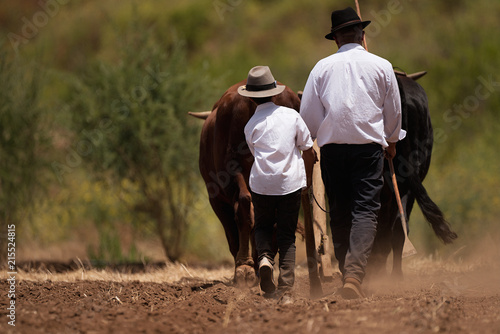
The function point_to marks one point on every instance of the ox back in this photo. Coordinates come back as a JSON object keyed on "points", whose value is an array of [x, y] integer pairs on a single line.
{"points": [[225, 162], [411, 164]]}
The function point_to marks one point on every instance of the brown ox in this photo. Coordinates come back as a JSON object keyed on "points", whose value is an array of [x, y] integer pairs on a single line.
{"points": [[225, 163]]}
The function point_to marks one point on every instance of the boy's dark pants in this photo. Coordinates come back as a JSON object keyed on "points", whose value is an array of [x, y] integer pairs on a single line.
{"points": [[284, 212]]}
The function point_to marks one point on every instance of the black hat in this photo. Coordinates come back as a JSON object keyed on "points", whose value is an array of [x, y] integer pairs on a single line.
{"points": [[344, 18]]}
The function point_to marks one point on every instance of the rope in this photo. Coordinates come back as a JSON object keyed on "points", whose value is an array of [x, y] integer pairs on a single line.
{"points": [[314, 197]]}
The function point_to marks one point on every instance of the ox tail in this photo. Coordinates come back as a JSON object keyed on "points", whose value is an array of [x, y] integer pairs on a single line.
{"points": [[200, 115], [432, 212]]}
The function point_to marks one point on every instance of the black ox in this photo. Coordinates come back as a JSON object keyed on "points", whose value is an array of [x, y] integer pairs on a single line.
{"points": [[411, 164]]}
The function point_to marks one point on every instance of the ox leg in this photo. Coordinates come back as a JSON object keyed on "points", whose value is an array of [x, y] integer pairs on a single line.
{"points": [[380, 251], [225, 213], [383, 239], [255, 255], [244, 271]]}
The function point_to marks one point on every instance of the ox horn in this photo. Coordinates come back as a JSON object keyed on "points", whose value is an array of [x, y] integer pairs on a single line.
{"points": [[200, 115], [417, 75]]}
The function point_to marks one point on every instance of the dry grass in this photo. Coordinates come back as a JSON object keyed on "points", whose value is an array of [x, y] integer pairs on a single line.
{"points": [[468, 267], [172, 273], [456, 275]]}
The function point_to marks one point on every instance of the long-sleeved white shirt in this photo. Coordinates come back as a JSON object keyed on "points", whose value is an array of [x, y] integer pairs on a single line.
{"points": [[352, 97], [275, 136]]}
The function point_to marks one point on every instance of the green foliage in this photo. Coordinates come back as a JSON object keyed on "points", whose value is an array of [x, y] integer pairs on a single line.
{"points": [[22, 144], [110, 245], [106, 205], [117, 91], [132, 117]]}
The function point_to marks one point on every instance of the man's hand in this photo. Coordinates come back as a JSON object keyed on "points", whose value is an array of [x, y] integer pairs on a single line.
{"points": [[390, 151], [310, 157]]}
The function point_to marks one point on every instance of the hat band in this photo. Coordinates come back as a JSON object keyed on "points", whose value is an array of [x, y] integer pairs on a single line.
{"points": [[258, 88], [340, 26]]}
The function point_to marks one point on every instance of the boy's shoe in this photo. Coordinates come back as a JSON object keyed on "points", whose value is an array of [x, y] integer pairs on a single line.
{"points": [[266, 276], [352, 289]]}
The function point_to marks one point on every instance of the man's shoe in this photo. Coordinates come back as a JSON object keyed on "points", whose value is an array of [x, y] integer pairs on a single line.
{"points": [[284, 297], [352, 289], [266, 276]]}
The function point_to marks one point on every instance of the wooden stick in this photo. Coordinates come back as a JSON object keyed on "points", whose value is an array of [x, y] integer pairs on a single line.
{"points": [[321, 239], [359, 14], [315, 289], [408, 248]]}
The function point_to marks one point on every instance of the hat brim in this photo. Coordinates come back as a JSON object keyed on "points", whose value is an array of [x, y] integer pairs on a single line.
{"points": [[242, 90], [330, 35]]}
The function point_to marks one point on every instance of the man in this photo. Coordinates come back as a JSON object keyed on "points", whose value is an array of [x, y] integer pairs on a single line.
{"points": [[351, 104], [276, 136]]}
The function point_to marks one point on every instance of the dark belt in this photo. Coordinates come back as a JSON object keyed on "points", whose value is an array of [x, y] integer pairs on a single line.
{"points": [[372, 143]]}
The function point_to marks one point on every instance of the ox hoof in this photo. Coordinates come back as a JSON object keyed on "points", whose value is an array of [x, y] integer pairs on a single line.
{"points": [[244, 277]]}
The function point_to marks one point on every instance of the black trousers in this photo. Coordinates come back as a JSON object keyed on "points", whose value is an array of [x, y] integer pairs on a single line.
{"points": [[282, 211], [353, 179]]}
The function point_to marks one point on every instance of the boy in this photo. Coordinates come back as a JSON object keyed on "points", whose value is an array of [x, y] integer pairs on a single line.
{"points": [[275, 136]]}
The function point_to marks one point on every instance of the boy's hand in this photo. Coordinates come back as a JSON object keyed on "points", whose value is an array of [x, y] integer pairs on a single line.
{"points": [[310, 157]]}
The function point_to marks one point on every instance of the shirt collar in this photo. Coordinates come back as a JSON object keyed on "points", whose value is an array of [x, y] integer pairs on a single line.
{"points": [[264, 106], [350, 46]]}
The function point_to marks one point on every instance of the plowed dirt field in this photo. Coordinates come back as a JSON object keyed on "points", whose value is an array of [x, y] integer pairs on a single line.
{"points": [[435, 297]]}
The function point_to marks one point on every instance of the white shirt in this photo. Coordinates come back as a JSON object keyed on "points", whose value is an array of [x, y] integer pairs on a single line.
{"points": [[352, 97], [275, 136]]}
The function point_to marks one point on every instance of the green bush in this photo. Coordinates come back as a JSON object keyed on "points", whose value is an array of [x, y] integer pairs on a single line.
{"points": [[23, 143], [116, 93], [132, 122]]}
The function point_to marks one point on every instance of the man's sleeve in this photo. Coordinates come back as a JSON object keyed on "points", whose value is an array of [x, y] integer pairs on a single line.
{"points": [[311, 107], [392, 111]]}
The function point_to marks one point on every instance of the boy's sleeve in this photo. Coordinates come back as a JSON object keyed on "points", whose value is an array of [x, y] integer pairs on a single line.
{"points": [[248, 137], [303, 139]]}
